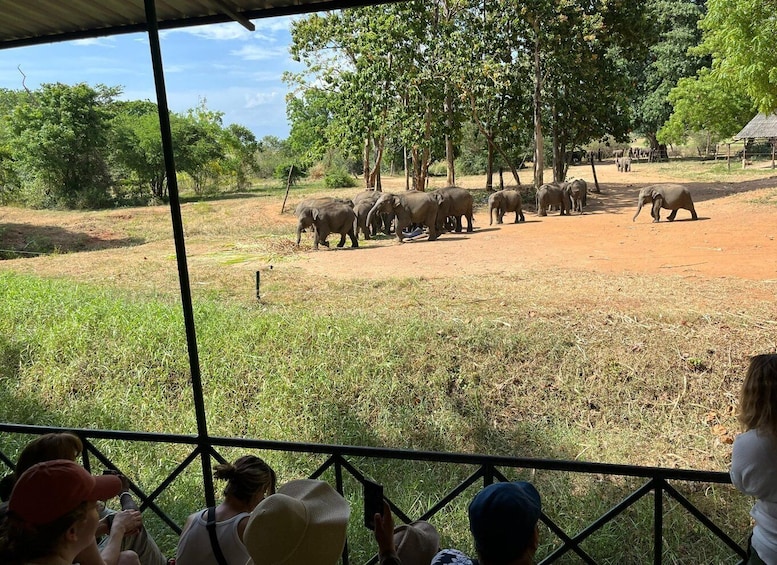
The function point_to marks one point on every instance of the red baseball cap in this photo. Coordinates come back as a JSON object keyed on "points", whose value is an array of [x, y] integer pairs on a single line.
{"points": [[51, 489]]}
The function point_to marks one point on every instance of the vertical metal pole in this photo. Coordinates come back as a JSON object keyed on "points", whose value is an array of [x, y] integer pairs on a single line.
{"points": [[180, 250], [658, 522], [339, 488]]}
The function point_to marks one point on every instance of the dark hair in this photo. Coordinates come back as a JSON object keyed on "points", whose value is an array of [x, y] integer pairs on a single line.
{"points": [[44, 448], [21, 542], [246, 476], [758, 399]]}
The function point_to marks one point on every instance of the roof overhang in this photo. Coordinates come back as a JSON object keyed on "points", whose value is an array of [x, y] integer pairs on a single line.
{"points": [[32, 22]]}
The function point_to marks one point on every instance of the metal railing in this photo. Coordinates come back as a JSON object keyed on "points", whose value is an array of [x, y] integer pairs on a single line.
{"points": [[658, 480]]}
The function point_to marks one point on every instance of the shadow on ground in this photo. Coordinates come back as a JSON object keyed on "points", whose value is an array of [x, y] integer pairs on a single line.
{"points": [[28, 240]]}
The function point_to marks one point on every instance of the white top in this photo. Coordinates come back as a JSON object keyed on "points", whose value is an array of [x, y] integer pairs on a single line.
{"points": [[194, 547], [754, 472]]}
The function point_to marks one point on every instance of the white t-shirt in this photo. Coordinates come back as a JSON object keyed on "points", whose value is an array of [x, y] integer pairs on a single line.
{"points": [[194, 547], [754, 472]]}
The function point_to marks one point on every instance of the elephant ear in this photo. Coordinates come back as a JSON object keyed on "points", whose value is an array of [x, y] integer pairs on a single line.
{"points": [[655, 195], [315, 214]]}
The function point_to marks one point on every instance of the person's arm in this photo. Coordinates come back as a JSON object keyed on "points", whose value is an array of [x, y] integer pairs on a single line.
{"points": [[124, 522], [384, 535], [90, 556]]}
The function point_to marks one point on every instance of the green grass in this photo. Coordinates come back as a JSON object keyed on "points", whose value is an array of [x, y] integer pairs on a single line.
{"points": [[423, 370]]}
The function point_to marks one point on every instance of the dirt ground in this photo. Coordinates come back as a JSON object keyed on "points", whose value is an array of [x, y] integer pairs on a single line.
{"points": [[733, 237]]}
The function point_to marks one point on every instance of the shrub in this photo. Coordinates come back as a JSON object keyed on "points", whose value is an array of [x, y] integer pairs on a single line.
{"points": [[339, 178]]}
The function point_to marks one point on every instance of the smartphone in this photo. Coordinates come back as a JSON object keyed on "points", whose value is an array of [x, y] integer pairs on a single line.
{"points": [[373, 502]]}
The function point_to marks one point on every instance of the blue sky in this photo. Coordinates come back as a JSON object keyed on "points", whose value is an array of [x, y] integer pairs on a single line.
{"points": [[236, 71]]}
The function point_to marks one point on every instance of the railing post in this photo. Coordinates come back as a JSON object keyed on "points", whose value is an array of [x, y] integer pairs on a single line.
{"points": [[339, 488], [658, 522], [180, 249]]}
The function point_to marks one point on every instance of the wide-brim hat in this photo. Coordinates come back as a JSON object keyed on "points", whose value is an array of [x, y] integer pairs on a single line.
{"points": [[416, 543], [304, 523], [50, 490]]}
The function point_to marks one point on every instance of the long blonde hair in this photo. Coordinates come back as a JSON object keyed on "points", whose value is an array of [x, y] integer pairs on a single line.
{"points": [[758, 399]]}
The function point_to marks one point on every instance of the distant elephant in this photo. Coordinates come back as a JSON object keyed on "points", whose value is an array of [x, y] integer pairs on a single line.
{"points": [[504, 201], [553, 194], [363, 203], [453, 202], [578, 194], [670, 196], [411, 207]]}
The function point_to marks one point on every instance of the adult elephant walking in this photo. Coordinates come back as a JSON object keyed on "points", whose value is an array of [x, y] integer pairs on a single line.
{"points": [[670, 196], [552, 194], [453, 202], [410, 207], [363, 203], [504, 201]]}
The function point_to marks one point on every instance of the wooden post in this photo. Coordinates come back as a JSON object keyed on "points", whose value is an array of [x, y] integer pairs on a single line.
{"points": [[501, 180], [728, 155], [774, 147], [593, 168], [288, 185]]}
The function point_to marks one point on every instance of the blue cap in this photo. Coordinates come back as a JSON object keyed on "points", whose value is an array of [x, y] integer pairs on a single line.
{"points": [[502, 519]]}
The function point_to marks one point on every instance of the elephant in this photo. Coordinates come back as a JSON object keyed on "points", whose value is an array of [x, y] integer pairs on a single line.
{"points": [[553, 194], [453, 202], [670, 196], [623, 164], [504, 201], [302, 211], [363, 203], [578, 194], [411, 207], [331, 217]]}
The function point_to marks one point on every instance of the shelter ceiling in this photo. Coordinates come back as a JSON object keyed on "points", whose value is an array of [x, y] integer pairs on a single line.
{"points": [[29, 22]]}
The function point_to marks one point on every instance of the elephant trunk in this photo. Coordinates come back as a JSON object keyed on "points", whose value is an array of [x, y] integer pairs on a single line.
{"points": [[639, 209], [371, 213]]}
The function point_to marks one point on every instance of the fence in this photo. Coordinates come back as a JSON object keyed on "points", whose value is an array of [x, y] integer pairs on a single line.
{"points": [[487, 469]]}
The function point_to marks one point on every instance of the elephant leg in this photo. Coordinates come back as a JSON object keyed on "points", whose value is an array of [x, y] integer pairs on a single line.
{"points": [[693, 213], [469, 223], [672, 215], [459, 224], [342, 240], [354, 239], [656, 211]]}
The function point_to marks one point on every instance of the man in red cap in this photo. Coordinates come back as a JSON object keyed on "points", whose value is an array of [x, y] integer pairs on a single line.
{"points": [[52, 513]]}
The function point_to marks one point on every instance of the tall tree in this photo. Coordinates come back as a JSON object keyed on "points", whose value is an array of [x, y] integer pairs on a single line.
{"points": [[665, 57], [740, 38]]}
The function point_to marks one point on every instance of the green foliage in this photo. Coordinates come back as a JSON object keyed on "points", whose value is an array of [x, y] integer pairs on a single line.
{"points": [[706, 103], [59, 139], [288, 172], [339, 178], [740, 38]]}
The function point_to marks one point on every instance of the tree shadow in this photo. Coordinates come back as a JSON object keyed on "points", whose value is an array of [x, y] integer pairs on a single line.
{"points": [[28, 240]]}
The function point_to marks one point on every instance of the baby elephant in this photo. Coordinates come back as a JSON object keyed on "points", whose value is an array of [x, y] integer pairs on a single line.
{"points": [[669, 196], [578, 194], [330, 217], [504, 201]]}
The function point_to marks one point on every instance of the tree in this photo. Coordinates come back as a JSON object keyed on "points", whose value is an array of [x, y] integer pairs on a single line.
{"points": [[665, 57], [704, 104], [240, 148], [59, 144], [740, 38]]}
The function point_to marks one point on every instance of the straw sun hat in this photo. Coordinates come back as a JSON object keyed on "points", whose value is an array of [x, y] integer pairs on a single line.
{"points": [[303, 523]]}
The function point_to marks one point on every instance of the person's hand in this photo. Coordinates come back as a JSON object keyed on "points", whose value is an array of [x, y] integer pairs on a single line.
{"points": [[384, 530], [126, 522]]}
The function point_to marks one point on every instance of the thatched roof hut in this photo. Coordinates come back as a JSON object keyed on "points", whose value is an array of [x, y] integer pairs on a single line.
{"points": [[760, 127]]}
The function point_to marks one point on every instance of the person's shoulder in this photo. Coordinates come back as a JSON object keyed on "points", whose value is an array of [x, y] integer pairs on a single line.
{"points": [[452, 557], [755, 442]]}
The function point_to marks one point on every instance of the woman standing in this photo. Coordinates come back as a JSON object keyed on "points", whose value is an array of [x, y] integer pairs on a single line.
{"points": [[249, 480], [754, 456]]}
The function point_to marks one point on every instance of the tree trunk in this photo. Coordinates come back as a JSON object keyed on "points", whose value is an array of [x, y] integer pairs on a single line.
{"points": [[407, 168], [490, 168], [366, 161], [539, 147], [449, 150]]}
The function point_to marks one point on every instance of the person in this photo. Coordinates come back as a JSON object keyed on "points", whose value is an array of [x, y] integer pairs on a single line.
{"points": [[408, 544], [304, 523], [249, 480], [52, 514], [503, 521], [754, 454], [124, 541]]}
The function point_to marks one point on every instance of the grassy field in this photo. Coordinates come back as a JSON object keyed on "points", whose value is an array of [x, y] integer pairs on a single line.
{"points": [[495, 365]]}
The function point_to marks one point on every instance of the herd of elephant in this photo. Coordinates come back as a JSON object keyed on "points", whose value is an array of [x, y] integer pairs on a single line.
{"points": [[444, 209]]}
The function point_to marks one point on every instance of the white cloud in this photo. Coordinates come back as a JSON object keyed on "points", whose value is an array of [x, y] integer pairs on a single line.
{"points": [[232, 31], [96, 42], [259, 53], [260, 98]]}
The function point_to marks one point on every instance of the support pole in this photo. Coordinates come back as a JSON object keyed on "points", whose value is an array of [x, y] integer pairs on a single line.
{"points": [[180, 250]]}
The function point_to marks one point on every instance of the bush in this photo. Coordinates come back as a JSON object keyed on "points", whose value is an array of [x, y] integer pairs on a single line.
{"points": [[438, 169], [339, 178], [282, 173]]}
